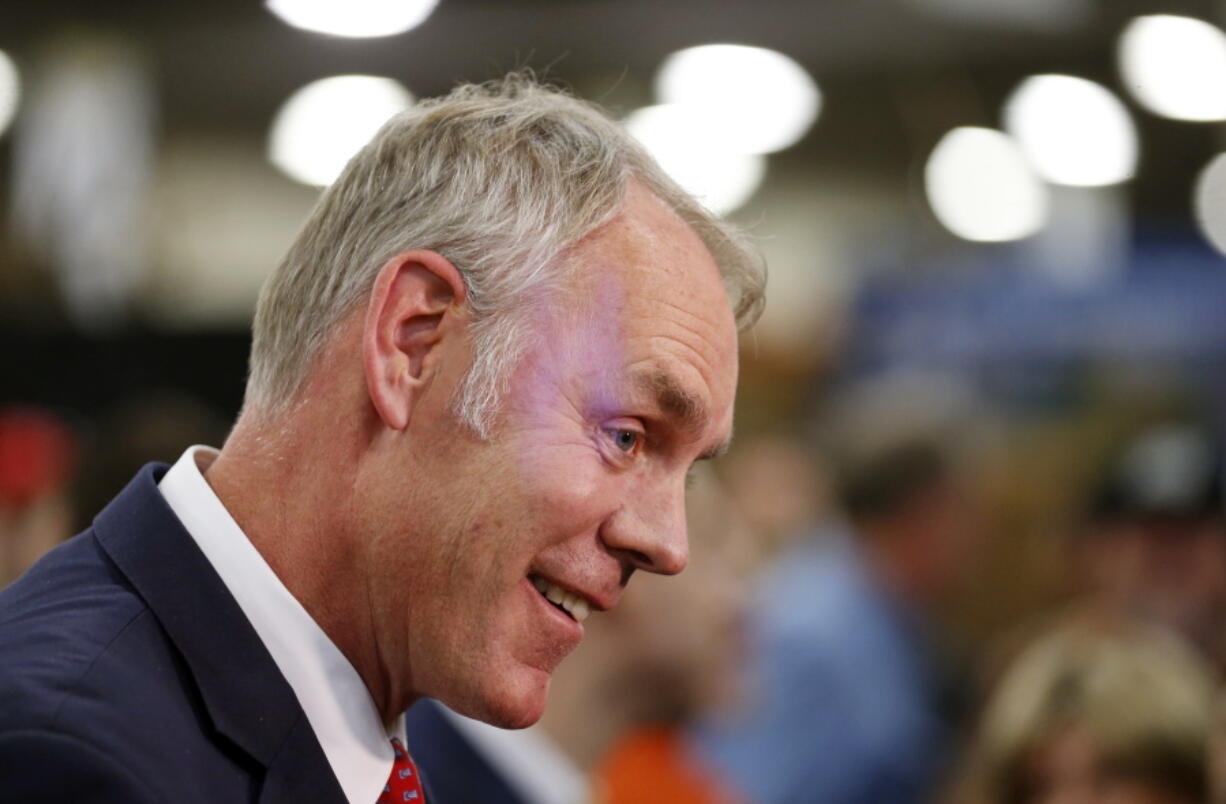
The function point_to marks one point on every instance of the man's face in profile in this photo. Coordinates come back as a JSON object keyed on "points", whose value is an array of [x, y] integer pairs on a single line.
{"points": [[630, 381]]}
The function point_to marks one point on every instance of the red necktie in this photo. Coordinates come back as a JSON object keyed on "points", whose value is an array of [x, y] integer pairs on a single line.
{"points": [[404, 784]]}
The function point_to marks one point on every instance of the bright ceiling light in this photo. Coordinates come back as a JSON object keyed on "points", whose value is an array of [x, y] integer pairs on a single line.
{"points": [[981, 187], [1175, 66], [322, 125], [10, 90], [353, 18], [755, 100], [1209, 202], [674, 136], [1073, 131]]}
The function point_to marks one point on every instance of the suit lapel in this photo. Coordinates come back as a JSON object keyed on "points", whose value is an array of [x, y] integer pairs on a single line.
{"points": [[299, 772], [247, 698]]}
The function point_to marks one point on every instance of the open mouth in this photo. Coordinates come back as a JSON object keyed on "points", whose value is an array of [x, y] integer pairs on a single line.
{"points": [[568, 603]]}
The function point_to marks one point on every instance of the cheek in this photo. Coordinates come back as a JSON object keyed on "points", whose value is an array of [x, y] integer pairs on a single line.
{"points": [[568, 490]]}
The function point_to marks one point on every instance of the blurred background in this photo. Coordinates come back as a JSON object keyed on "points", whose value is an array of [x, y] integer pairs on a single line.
{"points": [[984, 404]]}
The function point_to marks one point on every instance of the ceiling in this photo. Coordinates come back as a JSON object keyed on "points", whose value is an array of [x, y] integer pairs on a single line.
{"points": [[896, 74]]}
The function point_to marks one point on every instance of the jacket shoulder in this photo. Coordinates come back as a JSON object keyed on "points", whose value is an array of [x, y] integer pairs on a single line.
{"points": [[55, 623]]}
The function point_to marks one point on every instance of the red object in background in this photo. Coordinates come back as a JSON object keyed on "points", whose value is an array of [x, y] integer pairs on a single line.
{"points": [[37, 455], [651, 766]]}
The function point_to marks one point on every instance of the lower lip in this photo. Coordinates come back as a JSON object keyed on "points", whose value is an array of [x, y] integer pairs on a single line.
{"points": [[566, 627]]}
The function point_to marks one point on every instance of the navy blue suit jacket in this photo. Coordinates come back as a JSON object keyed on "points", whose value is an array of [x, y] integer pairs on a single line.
{"points": [[128, 674]]}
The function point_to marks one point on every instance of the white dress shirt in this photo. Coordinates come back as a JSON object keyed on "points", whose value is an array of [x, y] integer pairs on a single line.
{"points": [[333, 696]]}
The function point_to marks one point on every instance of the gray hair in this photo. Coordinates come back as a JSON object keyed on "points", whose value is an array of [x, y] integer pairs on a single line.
{"points": [[499, 178]]}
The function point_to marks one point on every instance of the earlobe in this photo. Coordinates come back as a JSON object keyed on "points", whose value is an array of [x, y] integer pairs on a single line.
{"points": [[414, 297]]}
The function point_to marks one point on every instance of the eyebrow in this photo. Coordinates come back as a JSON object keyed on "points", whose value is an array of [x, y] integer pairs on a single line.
{"points": [[679, 404]]}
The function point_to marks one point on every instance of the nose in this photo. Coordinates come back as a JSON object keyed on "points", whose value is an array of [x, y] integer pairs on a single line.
{"points": [[649, 532]]}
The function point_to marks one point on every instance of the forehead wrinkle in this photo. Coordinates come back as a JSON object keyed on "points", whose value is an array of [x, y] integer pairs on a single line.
{"points": [[690, 331], [687, 321], [684, 313]]}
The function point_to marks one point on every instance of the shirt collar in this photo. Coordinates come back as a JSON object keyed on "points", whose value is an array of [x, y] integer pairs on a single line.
{"points": [[333, 696]]}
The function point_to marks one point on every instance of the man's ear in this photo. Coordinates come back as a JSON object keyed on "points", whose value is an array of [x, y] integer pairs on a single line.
{"points": [[415, 298]]}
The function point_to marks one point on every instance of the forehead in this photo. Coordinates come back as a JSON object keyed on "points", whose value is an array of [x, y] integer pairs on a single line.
{"points": [[648, 279]]}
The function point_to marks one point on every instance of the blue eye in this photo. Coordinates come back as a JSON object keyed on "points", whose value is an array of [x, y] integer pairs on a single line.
{"points": [[625, 440]]}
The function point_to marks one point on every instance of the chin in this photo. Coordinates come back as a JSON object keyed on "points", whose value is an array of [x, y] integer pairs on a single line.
{"points": [[519, 718], [513, 700]]}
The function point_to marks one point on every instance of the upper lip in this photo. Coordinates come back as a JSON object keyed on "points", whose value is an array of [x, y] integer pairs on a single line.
{"points": [[598, 601]]}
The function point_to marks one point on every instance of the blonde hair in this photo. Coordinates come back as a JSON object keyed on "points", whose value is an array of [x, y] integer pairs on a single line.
{"points": [[501, 179], [1140, 694]]}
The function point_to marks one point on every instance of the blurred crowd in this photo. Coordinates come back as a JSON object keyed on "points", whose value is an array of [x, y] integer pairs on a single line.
{"points": [[864, 620], [1000, 584]]}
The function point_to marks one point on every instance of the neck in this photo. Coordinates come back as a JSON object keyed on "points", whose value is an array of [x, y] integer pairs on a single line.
{"points": [[283, 490]]}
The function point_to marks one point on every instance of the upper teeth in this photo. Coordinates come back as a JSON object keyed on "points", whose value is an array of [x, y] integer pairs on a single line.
{"points": [[576, 606]]}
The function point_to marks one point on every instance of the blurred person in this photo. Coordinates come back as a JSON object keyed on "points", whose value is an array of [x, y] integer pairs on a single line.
{"points": [[1154, 540], [1217, 747], [780, 487], [1118, 715], [846, 698], [611, 731], [38, 457], [483, 369]]}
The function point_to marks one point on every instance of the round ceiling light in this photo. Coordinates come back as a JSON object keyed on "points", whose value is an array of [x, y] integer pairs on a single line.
{"points": [[322, 125], [1074, 131], [1175, 66], [721, 180], [753, 100], [982, 188], [353, 18]]}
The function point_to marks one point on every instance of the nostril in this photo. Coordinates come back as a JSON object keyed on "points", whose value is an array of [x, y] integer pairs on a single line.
{"points": [[639, 558], [627, 571]]}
